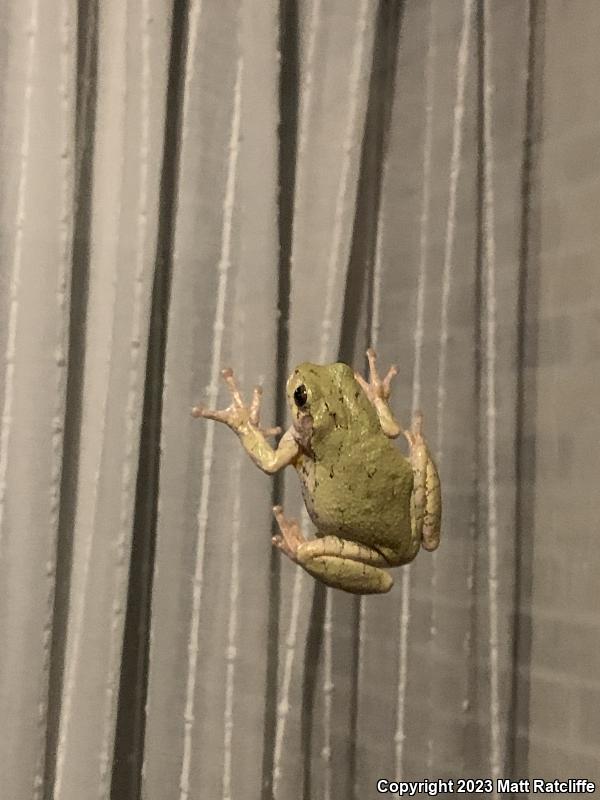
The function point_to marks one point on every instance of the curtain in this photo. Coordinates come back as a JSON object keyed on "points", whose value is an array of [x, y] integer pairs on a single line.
{"points": [[195, 184]]}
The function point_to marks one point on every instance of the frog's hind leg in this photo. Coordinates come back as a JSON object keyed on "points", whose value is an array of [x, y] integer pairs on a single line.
{"points": [[336, 562], [426, 506]]}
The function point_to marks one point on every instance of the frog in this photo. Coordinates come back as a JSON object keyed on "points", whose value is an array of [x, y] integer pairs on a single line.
{"points": [[372, 506]]}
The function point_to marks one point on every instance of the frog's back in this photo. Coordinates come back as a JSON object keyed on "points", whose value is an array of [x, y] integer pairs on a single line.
{"points": [[362, 493]]}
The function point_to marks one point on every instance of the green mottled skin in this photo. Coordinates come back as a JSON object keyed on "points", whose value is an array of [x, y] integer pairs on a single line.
{"points": [[356, 484]]}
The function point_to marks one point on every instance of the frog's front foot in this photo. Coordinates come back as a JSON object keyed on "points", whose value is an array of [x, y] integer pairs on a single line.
{"points": [[378, 391], [376, 388], [237, 415], [427, 495]]}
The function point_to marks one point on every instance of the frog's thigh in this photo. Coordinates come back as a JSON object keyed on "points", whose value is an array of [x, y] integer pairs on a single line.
{"points": [[432, 521], [426, 506], [345, 565]]}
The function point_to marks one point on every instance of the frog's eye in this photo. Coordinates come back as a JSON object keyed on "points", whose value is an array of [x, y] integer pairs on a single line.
{"points": [[300, 396]]}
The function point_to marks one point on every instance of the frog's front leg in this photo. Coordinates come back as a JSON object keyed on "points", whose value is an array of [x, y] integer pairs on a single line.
{"points": [[336, 562], [378, 392], [244, 421], [426, 506]]}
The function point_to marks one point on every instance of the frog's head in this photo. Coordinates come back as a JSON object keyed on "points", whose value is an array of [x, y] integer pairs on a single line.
{"points": [[323, 398]]}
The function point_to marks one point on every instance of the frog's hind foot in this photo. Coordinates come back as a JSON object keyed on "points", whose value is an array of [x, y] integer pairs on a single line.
{"points": [[290, 538], [414, 436]]}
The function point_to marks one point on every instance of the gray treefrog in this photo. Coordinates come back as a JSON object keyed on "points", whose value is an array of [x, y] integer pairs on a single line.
{"points": [[373, 508]]}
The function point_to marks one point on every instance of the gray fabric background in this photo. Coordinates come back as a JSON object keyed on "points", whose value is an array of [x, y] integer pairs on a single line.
{"points": [[187, 185]]}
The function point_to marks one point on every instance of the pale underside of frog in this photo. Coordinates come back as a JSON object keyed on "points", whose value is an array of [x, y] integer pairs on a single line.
{"points": [[373, 507]]}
